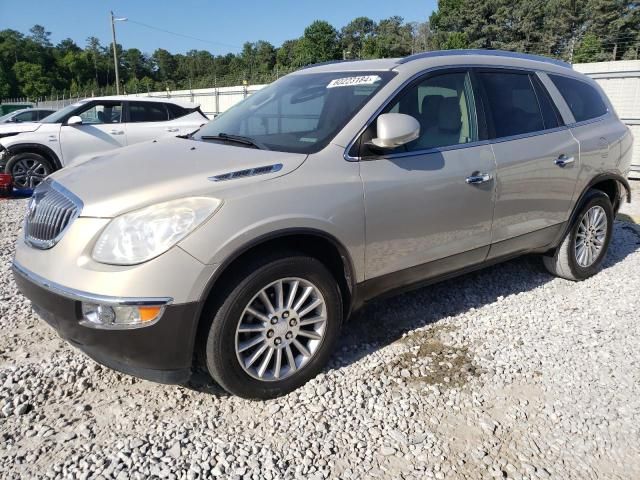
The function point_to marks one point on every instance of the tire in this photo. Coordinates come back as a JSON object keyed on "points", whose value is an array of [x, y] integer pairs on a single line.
{"points": [[28, 169], [234, 369], [566, 261]]}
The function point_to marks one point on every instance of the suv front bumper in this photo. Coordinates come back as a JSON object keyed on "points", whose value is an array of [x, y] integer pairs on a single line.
{"points": [[161, 352]]}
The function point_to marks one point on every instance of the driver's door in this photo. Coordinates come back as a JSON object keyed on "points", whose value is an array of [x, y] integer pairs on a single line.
{"points": [[102, 129], [421, 210]]}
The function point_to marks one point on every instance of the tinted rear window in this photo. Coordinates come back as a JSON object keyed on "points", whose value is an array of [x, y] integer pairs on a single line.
{"points": [[513, 103], [147, 112], [584, 101], [176, 111]]}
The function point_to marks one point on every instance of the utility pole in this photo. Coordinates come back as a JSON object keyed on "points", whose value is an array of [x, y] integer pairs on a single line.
{"points": [[115, 50]]}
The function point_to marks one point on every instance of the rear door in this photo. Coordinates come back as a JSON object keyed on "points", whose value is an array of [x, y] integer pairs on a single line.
{"points": [[419, 204], [537, 160], [186, 120], [147, 121], [593, 124], [102, 129]]}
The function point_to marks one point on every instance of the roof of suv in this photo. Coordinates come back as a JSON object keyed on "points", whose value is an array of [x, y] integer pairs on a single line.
{"points": [[131, 98], [447, 57]]}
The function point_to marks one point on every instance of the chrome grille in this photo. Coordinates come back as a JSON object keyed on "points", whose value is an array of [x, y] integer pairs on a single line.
{"points": [[51, 210]]}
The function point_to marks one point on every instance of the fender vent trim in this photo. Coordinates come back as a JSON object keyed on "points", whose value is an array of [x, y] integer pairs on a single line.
{"points": [[249, 172]]}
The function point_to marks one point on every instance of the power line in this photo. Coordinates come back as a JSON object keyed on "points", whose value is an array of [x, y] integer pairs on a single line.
{"points": [[183, 35]]}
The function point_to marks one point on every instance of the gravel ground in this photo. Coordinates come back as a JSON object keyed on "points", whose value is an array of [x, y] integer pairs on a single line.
{"points": [[505, 373]]}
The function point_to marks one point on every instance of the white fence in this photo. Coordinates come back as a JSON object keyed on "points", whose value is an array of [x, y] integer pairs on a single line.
{"points": [[621, 82]]}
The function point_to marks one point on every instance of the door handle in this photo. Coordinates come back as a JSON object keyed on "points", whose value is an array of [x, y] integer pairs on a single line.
{"points": [[477, 178], [117, 132], [172, 129], [563, 161]]}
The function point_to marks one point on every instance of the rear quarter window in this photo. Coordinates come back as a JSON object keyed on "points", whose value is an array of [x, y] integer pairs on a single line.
{"points": [[584, 101]]}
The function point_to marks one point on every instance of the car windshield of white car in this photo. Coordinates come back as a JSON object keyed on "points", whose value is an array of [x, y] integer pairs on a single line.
{"points": [[300, 113], [60, 115]]}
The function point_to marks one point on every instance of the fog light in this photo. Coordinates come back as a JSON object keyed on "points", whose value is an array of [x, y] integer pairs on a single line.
{"points": [[119, 316]]}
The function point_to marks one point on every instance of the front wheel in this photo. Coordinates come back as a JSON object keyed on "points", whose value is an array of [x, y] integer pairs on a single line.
{"points": [[28, 169], [275, 329], [585, 245]]}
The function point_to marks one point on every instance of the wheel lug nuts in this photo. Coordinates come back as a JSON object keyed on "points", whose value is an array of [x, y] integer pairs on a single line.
{"points": [[270, 333], [293, 322], [277, 341], [274, 320], [285, 315], [289, 336]]}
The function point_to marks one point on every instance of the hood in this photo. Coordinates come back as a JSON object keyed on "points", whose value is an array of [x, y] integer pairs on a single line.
{"points": [[152, 172], [6, 128]]}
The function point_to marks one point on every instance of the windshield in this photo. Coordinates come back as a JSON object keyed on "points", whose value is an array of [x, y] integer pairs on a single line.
{"points": [[299, 113], [6, 117], [60, 115]]}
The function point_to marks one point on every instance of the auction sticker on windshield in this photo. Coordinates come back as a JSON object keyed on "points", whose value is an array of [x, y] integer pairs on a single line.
{"points": [[352, 81]]}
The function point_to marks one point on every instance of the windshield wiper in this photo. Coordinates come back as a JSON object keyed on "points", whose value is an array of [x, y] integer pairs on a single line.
{"points": [[237, 139]]}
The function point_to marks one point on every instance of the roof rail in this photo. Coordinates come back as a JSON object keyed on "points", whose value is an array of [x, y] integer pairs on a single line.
{"points": [[491, 53]]}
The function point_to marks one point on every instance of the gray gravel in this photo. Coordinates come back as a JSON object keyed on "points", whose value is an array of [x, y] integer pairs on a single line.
{"points": [[505, 373]]}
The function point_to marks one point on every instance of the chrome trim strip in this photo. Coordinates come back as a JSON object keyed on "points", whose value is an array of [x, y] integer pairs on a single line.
{"points": [[78, 295], [249, 172]]}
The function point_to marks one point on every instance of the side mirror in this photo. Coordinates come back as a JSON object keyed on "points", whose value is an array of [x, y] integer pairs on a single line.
{"points": [[75, 120], [395, 130]]}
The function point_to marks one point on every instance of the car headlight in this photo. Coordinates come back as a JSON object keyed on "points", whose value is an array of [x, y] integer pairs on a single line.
{"points": [[141, 235]]}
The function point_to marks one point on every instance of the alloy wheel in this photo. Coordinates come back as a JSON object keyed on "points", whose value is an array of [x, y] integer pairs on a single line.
{"points": [[281, 329], [28, 173], [591, 236]]}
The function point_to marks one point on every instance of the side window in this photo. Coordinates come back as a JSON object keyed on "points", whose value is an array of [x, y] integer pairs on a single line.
{"points": [[147, 112], [550, 115], [445, 108], [101, 112], [44, 114], [26, 117], [584, 101], [513, 104]]}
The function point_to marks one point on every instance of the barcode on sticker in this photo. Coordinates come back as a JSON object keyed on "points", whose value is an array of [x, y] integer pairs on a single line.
{"points": [[352, 81]]}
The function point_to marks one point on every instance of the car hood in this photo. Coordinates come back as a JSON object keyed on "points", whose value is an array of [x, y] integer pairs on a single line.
{"points": [[19, 127], [161, 170]]}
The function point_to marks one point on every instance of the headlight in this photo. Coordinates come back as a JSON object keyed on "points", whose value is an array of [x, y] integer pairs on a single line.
{"points": [[141, 235]]}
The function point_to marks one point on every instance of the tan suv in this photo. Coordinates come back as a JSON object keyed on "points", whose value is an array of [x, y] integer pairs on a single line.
{"points": [[246, 245]]}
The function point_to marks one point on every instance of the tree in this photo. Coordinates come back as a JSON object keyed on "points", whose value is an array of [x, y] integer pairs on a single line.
{"points": [[318, 44], [392, 38], [5, 83], [354, 35], [40, 36], [31, 79], [165, 64], [589, 49], [285, 55]]}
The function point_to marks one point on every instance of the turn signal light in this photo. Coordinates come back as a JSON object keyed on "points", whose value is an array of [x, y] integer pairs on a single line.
{"points": [[115, 317]]}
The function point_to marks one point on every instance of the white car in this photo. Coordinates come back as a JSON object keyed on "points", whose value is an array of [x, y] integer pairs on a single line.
{"points": [[31, 151]]}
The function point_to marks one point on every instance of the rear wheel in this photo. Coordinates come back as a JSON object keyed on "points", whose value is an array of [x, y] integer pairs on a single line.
{"points": [[28, 169], [275, 329], [584, 247]]}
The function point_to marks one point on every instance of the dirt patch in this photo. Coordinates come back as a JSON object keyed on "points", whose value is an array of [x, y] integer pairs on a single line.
{"points": [[431, 361]]}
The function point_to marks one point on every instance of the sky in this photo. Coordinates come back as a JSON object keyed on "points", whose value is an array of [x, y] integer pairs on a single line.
{"points": [[224, 25]]}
